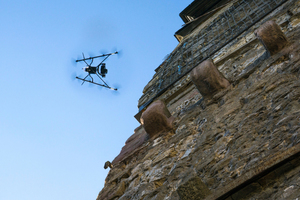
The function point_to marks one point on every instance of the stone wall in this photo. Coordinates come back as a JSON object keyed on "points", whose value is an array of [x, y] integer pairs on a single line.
{"points": [[241, 143], [210, 36]]}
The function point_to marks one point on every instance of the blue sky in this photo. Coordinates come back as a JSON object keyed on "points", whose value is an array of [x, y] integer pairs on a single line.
{"points": [[56, 135]]}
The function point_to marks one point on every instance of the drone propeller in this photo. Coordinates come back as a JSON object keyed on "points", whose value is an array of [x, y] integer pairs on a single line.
{"points": [[73, 61], [103, 51], [113, 88], [115, 50], [117, 87], [120, 53], [74, 75]]}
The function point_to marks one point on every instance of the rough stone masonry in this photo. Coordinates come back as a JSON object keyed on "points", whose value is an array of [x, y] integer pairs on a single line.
{"points": [[241, 141]]}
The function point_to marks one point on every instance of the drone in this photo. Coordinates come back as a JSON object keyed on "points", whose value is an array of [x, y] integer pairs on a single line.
{"points": [[100, 70]]}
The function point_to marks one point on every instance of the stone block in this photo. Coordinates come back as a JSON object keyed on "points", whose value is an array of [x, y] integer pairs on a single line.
{"points": [[271, 37], [118, 192], [208, 79], [157, 118]]}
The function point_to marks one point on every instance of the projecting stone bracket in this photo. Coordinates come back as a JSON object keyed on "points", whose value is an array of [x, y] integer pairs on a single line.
{"points": [[208, 79], [107, 164], [271, 37], [157, 118]]}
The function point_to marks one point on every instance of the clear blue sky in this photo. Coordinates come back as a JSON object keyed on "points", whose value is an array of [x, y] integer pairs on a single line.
{"points": [[56, 135]]}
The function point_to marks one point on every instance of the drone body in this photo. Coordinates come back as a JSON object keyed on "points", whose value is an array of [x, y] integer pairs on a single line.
{"points": [[99, 70]]}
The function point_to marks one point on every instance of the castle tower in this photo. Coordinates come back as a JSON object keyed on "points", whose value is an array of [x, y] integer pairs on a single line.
{"points": [[220, 119]]}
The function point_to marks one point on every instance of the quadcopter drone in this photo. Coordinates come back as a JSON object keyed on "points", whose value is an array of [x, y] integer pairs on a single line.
{"points": [[100, 70]]}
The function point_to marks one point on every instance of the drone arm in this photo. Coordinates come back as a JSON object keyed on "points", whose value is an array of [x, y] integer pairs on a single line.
{"points": [[82, 79], [103, 60], [97, 84], [103, 55], [102, 80]]}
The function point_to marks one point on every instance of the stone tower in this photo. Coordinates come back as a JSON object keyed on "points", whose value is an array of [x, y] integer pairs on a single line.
{"points": [[220, 119]]}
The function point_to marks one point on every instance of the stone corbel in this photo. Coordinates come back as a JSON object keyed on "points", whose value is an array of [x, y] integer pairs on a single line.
{"points": [[208, 79], [157, 118], [271, 37]]}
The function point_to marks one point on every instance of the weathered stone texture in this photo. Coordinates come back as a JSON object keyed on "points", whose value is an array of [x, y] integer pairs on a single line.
{"points": [[272, 37], [282, 183], [208, 79], [157, 118], [132, 144], [242, 143], [193, 189]]}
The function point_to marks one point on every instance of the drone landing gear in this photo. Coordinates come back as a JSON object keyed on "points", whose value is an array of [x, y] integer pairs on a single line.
{"points": [[92, 81]]}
